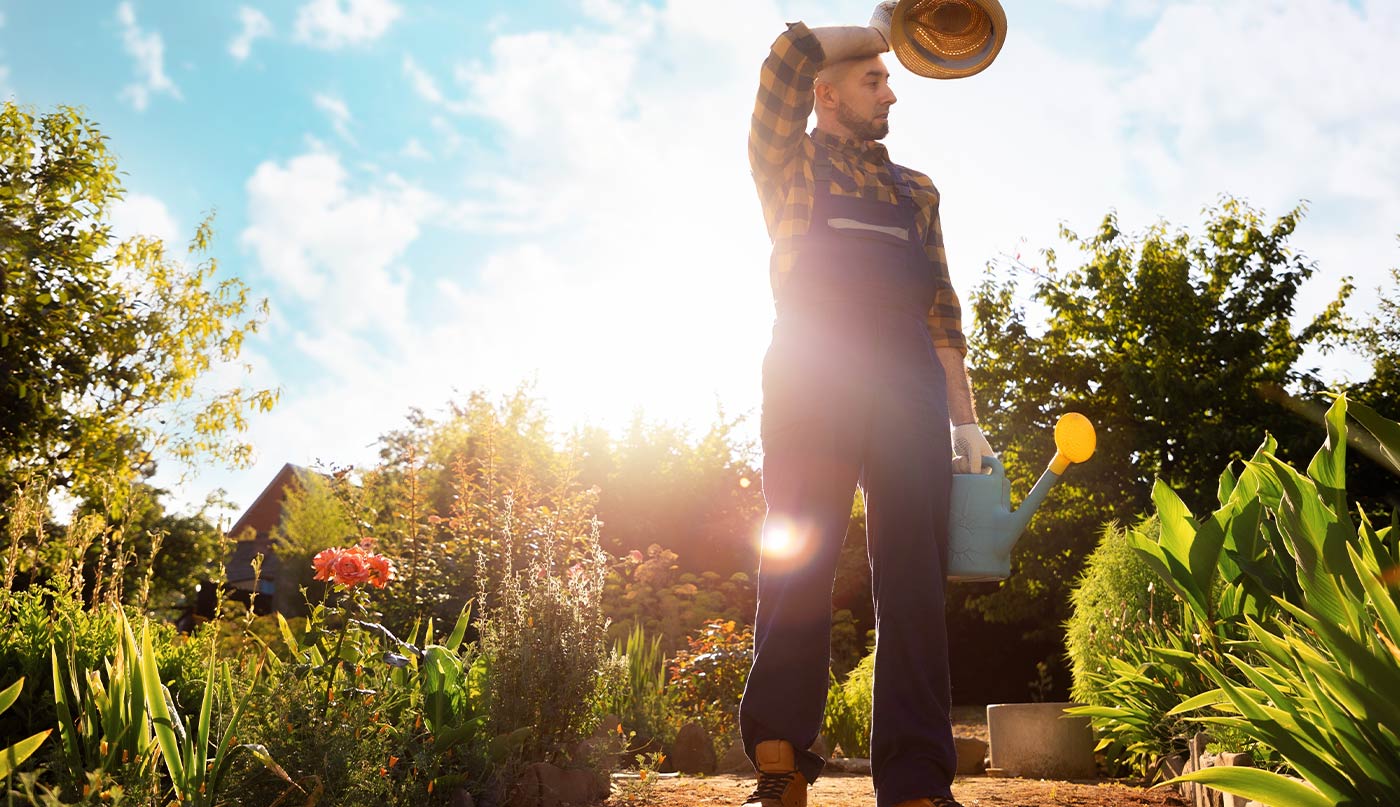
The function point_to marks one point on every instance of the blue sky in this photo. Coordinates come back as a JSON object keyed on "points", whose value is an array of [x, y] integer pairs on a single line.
{"points": [[438, 197]]}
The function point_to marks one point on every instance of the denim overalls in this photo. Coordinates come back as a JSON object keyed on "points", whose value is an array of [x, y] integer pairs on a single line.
{"points": [[854, 393]]}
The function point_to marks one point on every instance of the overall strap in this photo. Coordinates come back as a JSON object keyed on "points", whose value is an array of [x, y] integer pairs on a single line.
{"points": [[904, 195]]}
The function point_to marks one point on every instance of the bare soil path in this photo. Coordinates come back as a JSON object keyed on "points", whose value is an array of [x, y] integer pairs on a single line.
{"points": [[847, 790], [842, 790]]}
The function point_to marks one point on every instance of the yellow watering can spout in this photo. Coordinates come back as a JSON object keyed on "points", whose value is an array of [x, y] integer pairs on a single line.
{"points": [[1074, 441]]}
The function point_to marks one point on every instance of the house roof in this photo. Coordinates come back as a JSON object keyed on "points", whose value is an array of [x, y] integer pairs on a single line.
{"points": [[261, 517]]}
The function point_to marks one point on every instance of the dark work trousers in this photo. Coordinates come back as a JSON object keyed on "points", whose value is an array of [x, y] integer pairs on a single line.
{"points": [[853, 393]]}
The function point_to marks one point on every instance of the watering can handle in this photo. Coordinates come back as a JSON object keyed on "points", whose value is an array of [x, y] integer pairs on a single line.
{"points": [[997, 469]]}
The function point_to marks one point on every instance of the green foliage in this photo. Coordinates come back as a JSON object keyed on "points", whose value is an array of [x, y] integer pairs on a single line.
{"points": [[543, 631], [1320, 664], [641, 699], [651, 590], [103, 344], [708, 676], [849, 705], [1116, 608], [1178, 347], [354, 715]]}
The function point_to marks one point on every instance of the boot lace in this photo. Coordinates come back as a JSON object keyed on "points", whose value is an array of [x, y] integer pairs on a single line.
{"points": [[771, 785]]}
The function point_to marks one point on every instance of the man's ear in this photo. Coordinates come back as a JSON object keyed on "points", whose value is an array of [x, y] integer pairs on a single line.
{"points": [[825, 93]]}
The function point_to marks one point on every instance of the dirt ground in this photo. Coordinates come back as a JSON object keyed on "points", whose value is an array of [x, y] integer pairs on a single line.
{"points": [[841, 790], [844, 790]]}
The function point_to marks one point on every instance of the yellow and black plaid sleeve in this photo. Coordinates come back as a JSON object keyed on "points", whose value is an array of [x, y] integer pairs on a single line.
{"points": [[945, 317], [777, 133]]}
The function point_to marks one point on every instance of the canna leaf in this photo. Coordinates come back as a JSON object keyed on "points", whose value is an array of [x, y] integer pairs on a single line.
{"points": [[1386, 432], [1260, 785], [1226, 486], [1329, 466]]}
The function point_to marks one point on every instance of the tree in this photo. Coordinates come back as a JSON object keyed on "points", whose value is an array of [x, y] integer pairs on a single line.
{"points": [[105, 346], [313, 518], [1176, 347]]}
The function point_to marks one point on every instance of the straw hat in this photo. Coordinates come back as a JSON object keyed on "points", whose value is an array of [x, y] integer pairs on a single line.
{"points": [[947, 38]]}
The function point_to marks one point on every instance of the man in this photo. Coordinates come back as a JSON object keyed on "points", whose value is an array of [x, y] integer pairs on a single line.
{"points": [[864, 375]]}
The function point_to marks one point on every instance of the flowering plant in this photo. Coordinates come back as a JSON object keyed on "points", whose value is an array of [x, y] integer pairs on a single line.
{"points": [[352, 566]]}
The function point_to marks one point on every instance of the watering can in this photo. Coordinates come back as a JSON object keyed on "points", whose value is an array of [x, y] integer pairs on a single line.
{"points": [[982, 527]]}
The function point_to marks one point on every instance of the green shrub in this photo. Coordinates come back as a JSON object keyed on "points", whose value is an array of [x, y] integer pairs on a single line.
{"points": [[849, 706], [543, 631], [708, 678], [1116, 607]]}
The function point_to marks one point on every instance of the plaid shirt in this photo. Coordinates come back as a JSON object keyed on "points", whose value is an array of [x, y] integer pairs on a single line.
{"points": [[781, 155]]}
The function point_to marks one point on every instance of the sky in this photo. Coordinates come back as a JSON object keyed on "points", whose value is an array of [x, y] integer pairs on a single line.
{"points": [[441, 197]]}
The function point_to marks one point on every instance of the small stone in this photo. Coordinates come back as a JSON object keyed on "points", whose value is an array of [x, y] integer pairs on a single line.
{"points": [[850, 765], [972, 755], [693, 752], [546, 785]]}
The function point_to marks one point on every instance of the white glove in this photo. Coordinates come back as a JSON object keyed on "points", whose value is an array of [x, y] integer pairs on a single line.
{"points": [[883, 18], [969, 447]]}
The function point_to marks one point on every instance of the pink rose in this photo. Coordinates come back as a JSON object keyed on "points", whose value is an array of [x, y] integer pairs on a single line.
{"points": [[351, 568], [381, 571], [324, 563]]}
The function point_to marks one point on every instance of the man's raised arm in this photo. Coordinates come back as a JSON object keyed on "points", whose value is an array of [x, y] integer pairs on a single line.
{"points": [[785, 98]]}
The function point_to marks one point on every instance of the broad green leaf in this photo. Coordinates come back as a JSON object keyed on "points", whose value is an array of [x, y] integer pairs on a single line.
{"points": [[1386, 432], [1380, 598], [10, 758], [161, 717], [1177, 525], [1275, 727], [459, 631], [1318, 542], [11, 694], [1214, 697], [1226, 486], [1329, 466], [1171, 570], [1260, 785]]}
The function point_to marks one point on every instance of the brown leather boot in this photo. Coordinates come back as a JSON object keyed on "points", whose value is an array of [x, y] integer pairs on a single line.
{"points": [[780, 784]]}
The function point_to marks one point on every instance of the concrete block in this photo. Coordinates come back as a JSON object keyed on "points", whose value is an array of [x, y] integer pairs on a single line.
{"points": [[1039, 741]]}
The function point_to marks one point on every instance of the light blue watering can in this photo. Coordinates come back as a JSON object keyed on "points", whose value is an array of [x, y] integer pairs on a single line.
{"points": [[982, 525]]}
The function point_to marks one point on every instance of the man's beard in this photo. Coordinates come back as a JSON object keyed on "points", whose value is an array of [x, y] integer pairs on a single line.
{"points": [[863, 128]]}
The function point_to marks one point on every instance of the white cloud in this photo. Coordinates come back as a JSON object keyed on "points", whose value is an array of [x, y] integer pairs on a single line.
{"points": [[332, 250], [144, 215], [415, 150], [336, 23], [255, 25], [148, 50], [423, 84], [339, 114]]}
